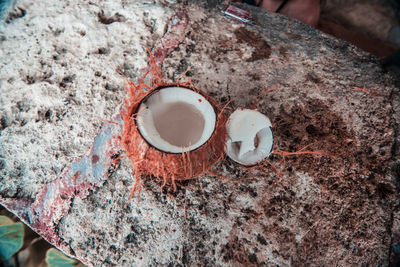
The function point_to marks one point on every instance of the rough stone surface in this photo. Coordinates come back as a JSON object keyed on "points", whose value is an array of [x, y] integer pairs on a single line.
{"points": [[59, 82]]}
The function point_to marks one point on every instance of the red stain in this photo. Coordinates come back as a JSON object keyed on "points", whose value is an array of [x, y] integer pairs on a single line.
{"points": [[95, 159], [171, 43], [174, 36], [200, 100], [76, 176], [160, 54]]}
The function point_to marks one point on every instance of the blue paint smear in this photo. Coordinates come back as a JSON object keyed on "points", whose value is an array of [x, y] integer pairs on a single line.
{"points": [[5, 7], [95, 172], [88, 171]]}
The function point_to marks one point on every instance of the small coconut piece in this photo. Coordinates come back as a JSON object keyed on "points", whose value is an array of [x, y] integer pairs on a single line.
{"points": [[249, 136]]}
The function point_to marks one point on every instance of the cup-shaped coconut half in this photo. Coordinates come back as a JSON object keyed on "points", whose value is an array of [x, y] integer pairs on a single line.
{"points": [[176, 119]]}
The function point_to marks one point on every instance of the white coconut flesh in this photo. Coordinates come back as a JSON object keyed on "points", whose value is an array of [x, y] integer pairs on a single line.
{"points": [[176, 119], [249, 136]]}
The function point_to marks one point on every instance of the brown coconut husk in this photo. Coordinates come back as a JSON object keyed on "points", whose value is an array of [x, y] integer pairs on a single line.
{"points": [[148, 160]]}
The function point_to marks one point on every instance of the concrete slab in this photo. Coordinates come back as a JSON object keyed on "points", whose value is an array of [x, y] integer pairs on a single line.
{"points": [[59, 85]]}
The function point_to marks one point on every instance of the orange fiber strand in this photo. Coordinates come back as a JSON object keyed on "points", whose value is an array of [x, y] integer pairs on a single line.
{"points": [[146, 160], [262, 93], [285, 154], [269, 90], [302, 151], [365, 90]]}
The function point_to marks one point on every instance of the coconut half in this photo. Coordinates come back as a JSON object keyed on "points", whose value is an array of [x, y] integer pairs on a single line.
{"points": [[249, 136], [170, 131], [176, 119]]}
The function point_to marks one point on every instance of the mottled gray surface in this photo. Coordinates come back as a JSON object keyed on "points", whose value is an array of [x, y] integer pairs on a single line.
{"points": [[324, 210]]}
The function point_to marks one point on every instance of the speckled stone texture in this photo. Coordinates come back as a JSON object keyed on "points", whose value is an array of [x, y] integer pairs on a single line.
{"points": [[59, 85]]}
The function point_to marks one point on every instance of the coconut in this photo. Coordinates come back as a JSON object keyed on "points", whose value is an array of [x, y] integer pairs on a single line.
{"points": [[249, 136], [172, 131]]}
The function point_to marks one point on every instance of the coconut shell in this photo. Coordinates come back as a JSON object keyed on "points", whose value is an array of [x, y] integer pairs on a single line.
{"points": [[147, 160]]}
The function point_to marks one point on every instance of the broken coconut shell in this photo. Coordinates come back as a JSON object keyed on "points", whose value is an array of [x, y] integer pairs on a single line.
{"points": [[249, 136]]}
